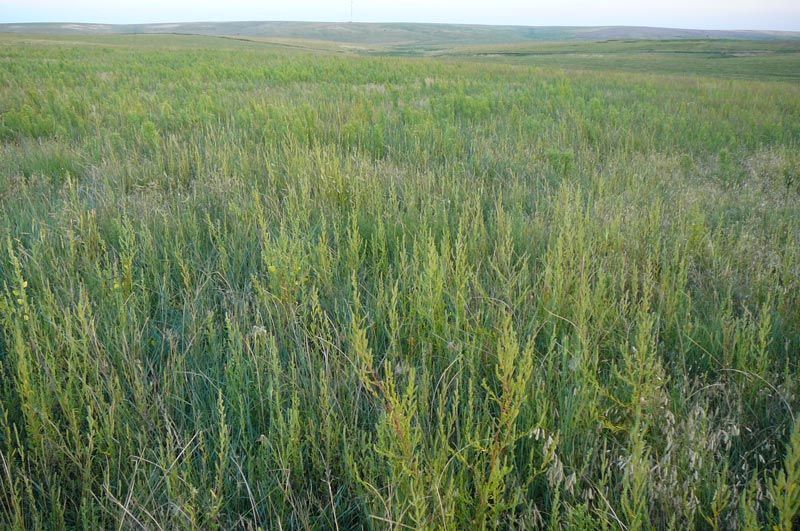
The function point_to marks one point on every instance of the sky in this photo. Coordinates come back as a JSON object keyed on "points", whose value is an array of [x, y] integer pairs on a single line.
{"points": [[700, 14]]}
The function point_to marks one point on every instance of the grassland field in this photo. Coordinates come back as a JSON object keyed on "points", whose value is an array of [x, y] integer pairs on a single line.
{"points": [[284, 283]]}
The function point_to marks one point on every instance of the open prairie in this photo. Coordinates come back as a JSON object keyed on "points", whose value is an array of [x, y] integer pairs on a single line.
{"points": [[292, 281]]}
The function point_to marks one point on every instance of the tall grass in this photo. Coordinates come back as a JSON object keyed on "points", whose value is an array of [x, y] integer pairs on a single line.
{"points": [[247, 287]]}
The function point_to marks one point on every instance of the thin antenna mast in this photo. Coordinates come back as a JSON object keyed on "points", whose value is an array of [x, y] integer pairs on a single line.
{"points": [[351, 11]]}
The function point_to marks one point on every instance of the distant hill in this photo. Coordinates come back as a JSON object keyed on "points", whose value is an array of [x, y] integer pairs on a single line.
{"points": [[396, 34]]}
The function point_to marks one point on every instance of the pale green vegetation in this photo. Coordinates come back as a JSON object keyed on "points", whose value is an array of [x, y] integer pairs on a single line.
{"points": [[743, 59], [247, 285], [396, 33]]}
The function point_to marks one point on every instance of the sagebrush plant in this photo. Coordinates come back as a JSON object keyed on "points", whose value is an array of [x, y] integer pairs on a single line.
{"points": [[246, 286]]}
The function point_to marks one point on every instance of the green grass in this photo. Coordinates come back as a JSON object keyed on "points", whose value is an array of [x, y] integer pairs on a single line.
{"points": [[718, 58], [246, 285]]}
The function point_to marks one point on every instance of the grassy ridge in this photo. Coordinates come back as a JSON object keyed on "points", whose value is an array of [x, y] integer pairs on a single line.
{"points": [[244, 285], [397, 32]]}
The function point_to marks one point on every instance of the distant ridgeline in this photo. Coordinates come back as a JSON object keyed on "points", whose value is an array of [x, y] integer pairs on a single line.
{"points": [[398, 33]]}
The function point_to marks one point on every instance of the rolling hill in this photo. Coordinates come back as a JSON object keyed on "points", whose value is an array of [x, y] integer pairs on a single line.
{"points": [[395, 34]]}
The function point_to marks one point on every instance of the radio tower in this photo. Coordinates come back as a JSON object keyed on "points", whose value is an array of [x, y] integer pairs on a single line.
{"points": [[351, 11]]}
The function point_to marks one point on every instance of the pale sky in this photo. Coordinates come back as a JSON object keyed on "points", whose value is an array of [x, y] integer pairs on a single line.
{"points": [[700, 14]]}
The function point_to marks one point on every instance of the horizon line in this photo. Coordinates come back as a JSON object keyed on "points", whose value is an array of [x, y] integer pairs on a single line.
{"points": [[255, 21]]}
